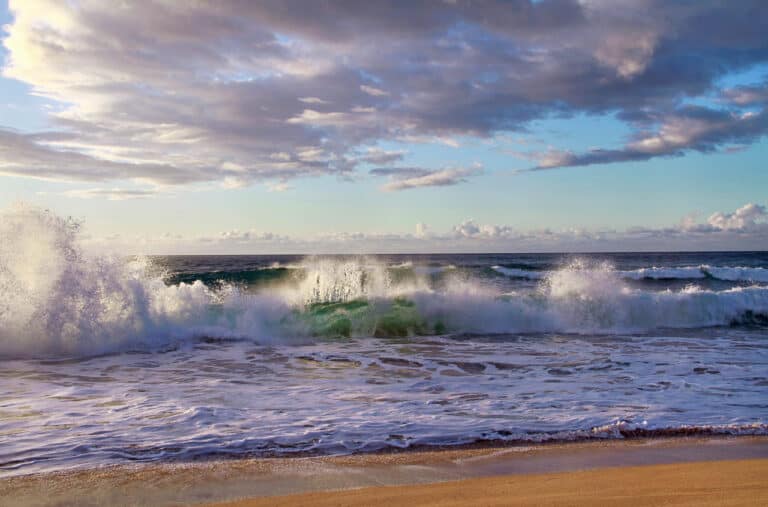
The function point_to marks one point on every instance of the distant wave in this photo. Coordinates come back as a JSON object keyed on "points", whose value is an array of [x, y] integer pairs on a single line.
{"points": [[661, 273], [520, 273], [737, 273], [724, 273]]}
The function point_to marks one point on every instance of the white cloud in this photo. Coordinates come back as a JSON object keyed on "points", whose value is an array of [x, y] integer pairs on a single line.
{"points": [[745, 218], [471, 230]]}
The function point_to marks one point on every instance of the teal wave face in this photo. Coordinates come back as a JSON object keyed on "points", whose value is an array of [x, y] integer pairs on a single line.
{"points": [[397, 318]]}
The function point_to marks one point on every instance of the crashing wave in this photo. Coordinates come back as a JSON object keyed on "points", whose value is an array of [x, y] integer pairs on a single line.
{"points": [[56, 300]]}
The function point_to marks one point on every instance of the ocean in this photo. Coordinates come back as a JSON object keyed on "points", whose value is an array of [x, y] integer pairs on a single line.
{"points": [[114, 360]]}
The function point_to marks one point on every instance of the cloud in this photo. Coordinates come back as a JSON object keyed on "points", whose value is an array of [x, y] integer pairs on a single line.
{"points": [[111, 194], [688, 129], [312, 100], [179, 95], [404, 178], [755, 95], [745, 228], [748, 217], [281, 186], [376, 92], [30, 156], [237, 236], [379, 156], [470, 229], [312, 117]]}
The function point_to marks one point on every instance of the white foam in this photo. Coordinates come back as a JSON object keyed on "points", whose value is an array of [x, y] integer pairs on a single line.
{"points": [[234, 398]]}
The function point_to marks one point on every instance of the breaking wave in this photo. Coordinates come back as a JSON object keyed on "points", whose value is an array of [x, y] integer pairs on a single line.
{"points": [[56, 300]]}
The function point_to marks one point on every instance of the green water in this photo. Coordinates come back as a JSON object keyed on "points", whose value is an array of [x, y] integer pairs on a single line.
{"points": [[396, 318]]}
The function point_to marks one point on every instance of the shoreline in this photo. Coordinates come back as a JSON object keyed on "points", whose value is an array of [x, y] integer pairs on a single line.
{"points": [[210, 482]]}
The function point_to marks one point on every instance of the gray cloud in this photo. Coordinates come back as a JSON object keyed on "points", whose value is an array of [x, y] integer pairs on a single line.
{"points": [[379, 156], [21, 155], [688, 129], [235, 92], [754, 95]]}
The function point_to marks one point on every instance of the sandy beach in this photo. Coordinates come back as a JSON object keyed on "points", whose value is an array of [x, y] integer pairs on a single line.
{"points": [[686, 471], [702, 484]]}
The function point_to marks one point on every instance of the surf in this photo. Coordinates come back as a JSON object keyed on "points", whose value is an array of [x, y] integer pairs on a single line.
{"points": [[57, 300]]}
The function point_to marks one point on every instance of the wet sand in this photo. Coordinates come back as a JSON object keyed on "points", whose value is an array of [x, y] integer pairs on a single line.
{"points": [[695, 484], [650, 470]]}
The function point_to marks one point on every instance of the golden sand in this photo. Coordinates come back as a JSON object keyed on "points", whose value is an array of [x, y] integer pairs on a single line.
{"points": [[740, 482], [634, 472]]}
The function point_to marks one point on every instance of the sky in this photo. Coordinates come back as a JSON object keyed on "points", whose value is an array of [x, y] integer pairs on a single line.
{"points": [[343, 126]]}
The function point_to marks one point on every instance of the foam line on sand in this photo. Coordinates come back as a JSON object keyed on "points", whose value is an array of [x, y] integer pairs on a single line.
{"points": [[501, 471]]}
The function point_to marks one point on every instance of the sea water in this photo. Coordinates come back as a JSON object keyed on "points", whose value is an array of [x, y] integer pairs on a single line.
{"points": [[108, 360]]}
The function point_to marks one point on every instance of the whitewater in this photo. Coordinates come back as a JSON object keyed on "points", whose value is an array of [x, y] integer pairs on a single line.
{"points": [[107, 359]]}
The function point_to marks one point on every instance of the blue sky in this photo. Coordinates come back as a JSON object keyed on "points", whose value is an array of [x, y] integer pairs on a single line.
{"points": [[309, 129]]}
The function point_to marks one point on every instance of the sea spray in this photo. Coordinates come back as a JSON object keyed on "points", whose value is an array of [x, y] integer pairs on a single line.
{"points": [[56, 301]]}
